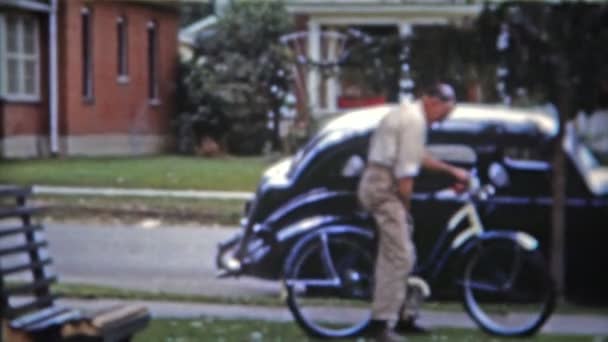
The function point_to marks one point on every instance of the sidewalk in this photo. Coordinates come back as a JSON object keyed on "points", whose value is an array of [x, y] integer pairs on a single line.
{"points": [[558, 324], [114, 192]]}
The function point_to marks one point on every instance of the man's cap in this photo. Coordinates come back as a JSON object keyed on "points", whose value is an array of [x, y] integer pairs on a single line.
{"points": [[443, 92]]}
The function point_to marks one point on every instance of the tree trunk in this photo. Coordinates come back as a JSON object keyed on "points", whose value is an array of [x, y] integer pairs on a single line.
{"points": [[558, 215], [558, 218]]}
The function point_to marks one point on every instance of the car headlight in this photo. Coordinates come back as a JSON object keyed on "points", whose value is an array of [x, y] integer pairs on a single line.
{"points": [[498, 175]]}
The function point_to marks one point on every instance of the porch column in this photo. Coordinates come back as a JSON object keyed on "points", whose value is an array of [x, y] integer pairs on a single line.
{"points": [[406, 84], [331, 85], [314, 54]]}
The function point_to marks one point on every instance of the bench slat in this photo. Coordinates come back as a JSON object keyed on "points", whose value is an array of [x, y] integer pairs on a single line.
{"points": [[24, 267], [28, 247], [31, 287], [37, 316], [18, 211], [14, 191], [114, 330], [19, 230], [126, 329], [39, 303], [63, 318]]}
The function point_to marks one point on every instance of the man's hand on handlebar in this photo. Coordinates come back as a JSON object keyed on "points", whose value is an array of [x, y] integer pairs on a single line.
{"points": [[462, 179]]}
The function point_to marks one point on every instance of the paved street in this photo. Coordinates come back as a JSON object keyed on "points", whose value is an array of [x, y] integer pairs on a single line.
{"points": [[169, 259]]}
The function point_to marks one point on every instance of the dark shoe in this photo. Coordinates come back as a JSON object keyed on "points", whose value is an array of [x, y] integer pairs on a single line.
{"points": [[409, 326], [380, 331]]}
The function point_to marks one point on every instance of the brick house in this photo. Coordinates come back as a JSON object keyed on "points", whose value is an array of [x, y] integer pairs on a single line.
{"points": [[83, 77]]}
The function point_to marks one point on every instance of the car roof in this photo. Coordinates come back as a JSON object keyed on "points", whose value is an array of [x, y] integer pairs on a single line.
{"points": [[465, 118]]}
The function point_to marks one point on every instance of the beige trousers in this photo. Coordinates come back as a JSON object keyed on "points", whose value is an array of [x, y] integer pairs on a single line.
{"points": [[396, 252]]}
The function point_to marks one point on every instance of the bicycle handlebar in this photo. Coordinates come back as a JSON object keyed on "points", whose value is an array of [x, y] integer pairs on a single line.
{"points": [[476, 190]]}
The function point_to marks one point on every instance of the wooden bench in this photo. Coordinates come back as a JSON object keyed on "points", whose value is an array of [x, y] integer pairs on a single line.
{"points": [[27, 306]]}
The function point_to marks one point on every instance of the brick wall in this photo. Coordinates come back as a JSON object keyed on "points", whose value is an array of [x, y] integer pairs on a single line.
{"points": [[117, 108], [119, 119]]}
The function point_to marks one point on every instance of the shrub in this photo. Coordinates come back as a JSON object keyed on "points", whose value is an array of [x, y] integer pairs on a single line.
{"points": [[236, 80]]}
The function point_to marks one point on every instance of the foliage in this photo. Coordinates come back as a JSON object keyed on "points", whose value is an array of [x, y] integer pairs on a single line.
{"points": [[236, 78], [191, 11], [375, 63], [552, 46], [437, 52]]}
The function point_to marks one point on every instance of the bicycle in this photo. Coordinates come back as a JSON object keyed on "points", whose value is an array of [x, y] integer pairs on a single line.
{"points": [[502, 277]]}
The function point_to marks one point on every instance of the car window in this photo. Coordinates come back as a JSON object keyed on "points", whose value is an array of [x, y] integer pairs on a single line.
{"points": [[353, 167], [314, 146], [454, 153]]}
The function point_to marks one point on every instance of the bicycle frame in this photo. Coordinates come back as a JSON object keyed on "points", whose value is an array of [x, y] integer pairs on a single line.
{"points": [[453, 237], [458, 239]]}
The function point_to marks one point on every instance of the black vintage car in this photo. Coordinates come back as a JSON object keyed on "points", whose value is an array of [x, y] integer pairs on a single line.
{"points": [[298, 194]]}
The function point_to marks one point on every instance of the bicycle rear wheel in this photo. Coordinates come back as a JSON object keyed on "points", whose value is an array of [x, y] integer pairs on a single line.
{"points": [[508, 290], [328, 278]]}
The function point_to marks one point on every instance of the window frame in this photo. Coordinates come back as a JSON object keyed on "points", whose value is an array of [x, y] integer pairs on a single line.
{"points": [[21, 57], [122, 56], [87, 54], [153, 62]]}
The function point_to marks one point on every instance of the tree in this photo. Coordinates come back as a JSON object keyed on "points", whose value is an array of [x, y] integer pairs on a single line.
{"points": [[236, 79], [557, 52]]}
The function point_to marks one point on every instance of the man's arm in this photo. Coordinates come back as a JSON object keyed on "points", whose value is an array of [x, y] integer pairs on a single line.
{"points": [[406, 187], [433, 164]]}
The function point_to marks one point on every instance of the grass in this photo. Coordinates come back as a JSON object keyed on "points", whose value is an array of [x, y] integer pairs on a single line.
{"points": [[87, 291], [130, 210], [210, 329], [159, 172]]}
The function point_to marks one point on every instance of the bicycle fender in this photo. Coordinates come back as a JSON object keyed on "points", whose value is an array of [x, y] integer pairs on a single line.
{"points": [[342, 229], [522, 239]]}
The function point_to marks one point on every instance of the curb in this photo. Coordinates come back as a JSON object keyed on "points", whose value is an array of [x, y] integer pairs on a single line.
{"points": [[114, 192]]}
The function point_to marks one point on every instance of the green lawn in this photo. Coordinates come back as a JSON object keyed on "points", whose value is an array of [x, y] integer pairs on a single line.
{"points": [[209, 329], [161, 172], [131, 210]]}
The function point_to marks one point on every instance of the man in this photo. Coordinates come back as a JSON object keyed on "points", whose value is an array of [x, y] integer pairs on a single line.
{"points": [[396, 153]]}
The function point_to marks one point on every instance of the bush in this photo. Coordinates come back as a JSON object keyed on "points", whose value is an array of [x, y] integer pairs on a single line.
{"points": [[236, 79]]}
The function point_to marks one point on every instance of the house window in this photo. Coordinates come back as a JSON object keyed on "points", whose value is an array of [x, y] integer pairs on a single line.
{"points": [[123, 57], [153, 62], [87, 54], [19, 57]]}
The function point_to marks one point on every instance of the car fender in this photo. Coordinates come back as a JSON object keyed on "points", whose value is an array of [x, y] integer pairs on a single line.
{"points": [[315, 223], [318, 201]]}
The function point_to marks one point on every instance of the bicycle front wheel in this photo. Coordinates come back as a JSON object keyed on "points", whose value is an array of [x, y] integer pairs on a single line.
{"points": [[328, 278], [507, 290]]}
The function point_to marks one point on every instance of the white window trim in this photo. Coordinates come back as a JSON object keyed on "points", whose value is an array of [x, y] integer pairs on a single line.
{"points": [[20, 96]]}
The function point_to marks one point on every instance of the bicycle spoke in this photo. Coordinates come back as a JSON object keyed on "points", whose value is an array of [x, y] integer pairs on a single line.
{"points": [[326, 259], [476, 285]]}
